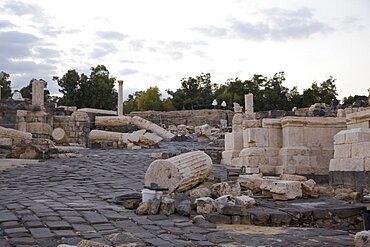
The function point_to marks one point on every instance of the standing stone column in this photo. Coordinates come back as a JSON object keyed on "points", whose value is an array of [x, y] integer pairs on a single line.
{"points": [[120, 99], [248, 99], [38, 92]]}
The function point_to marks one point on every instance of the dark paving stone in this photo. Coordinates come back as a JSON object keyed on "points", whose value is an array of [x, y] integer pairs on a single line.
{"points": [[41, 233], [71, 240], [19, 241], [74, 219], [15, 230], [10, 224], [124, 224], [58, 225], [158, 242], [65, 233], [94, 218], [83, 228], [7, 216], [196, 237]]}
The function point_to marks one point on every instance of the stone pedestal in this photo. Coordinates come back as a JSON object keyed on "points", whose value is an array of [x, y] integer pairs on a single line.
{"points": [[38, 92]]}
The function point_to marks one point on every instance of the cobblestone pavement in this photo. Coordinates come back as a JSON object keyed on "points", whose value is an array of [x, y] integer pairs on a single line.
{"points": [[66, 200]]}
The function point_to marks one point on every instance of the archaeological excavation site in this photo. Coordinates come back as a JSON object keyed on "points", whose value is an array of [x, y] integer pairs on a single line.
{"points": [[214, 177]]}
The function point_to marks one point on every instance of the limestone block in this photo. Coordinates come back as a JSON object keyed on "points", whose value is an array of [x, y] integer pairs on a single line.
{"points": [[367, 164], [357, 135], [21, 113], [365, 124], [360, 150], [275, 137], [135, 136], [199, 192], [254, 161], [150, 139], [38, 92], [292, 177], [59, 135], [112, 121], [14, 134], [167, 206], [286, 190], [203, 130], [252, 151], [362, 239], [268, 169], [271, 123], [293, 136], [227, 156], [220, 189], [349, 164], [237, 162], [233, 141], [251, 123], [294, 151], [205, 205], [97, 111], [142, 123], [308, 170], [245, 201], [39, 128], [255, 137], [308, 188], [251, 182], [342, 151], [181, 172], [79, 116], [6, 142], [268, 183]]}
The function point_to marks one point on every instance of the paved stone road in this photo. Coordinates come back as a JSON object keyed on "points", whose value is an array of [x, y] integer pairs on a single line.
{"points": [[66, 200]]}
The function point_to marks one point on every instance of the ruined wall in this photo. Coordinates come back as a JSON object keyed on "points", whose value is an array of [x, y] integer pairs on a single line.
{"points": [[187, 117], [292, 145]]}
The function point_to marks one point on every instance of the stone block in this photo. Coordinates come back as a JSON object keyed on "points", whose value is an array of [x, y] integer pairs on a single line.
{"points": [[150, 139], [254, 161], [252, 151], [357, 135], [340, 138], [233, 141], [227, 156], [251, 182], [367, 164], [237, 162], [251, 123], [360, 150], [275, 137], [136, 135], [286, 190], [255, 137], [268, 169], [347, 164], [205, 205], [6, 142], [293, 136]]}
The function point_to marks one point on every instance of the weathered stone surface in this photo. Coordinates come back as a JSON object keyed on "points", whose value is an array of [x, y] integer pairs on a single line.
{"points": [[136, 135], [143, 208], [183, 207], [150, 139], [251, 182], [90, 243], [6, 142], [286, 190], [245, 201], [59, 135], [225, 200], [142, 123], [200, 221], [181, 172], [14, 134], [220, 189], [167, 206], [308, 188], [203, 130], [154, 206], [39, 128], [292, 177], [235, 188], [38, 92], [362, 239], [199, 192], [205, 205], [112, 121]]}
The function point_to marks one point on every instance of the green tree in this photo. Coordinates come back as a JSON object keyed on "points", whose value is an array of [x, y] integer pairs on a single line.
{"points": [[70, 84], [130, 104], [195, 93], [150, 100], [325, 93], [275, 95], [6, 91]]}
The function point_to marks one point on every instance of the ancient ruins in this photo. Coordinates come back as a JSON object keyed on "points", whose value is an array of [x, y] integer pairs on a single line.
{"points": [[270, 161]]}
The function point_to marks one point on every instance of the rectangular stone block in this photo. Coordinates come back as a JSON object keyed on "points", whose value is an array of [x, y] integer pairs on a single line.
{"points": [[367, 164], [275, 137], [361, 150], [342, 151], [293, 136], [358, 125], [6, 142], [347, 164], [255, 137], [253, 161], [227, 157], [234, 141], [357, 135], [236, 162]]}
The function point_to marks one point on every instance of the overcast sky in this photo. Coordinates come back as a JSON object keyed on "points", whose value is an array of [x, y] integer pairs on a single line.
{"points": [[157, 42]]}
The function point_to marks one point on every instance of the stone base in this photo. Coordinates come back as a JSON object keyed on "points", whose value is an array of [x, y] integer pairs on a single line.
{"points": [[355, 180]]}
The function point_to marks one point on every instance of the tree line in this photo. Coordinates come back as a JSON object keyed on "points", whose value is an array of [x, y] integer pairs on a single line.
{"points": [[97, 91]]}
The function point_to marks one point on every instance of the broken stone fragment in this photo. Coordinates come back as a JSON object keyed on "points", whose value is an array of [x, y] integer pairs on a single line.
{"points": [[308, 188], [205, 205], [143, 208], [226, 200], [200, 221], [136, 135], [220, 189], [183, 207], [251, 182], [362, 239], [199, 192], [150, 139], [245, 201], [154, 206], [235, 187], [167, 206], [286, 190]]}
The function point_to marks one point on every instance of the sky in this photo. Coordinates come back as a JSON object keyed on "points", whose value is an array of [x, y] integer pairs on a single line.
{"points": [[149, 43]]}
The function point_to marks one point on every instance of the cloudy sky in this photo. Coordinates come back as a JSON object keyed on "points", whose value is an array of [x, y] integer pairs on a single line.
{"points": [[156, 43]]}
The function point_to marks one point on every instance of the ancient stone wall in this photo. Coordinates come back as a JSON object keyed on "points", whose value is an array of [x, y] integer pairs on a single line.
{"points": [[187, 117]]}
